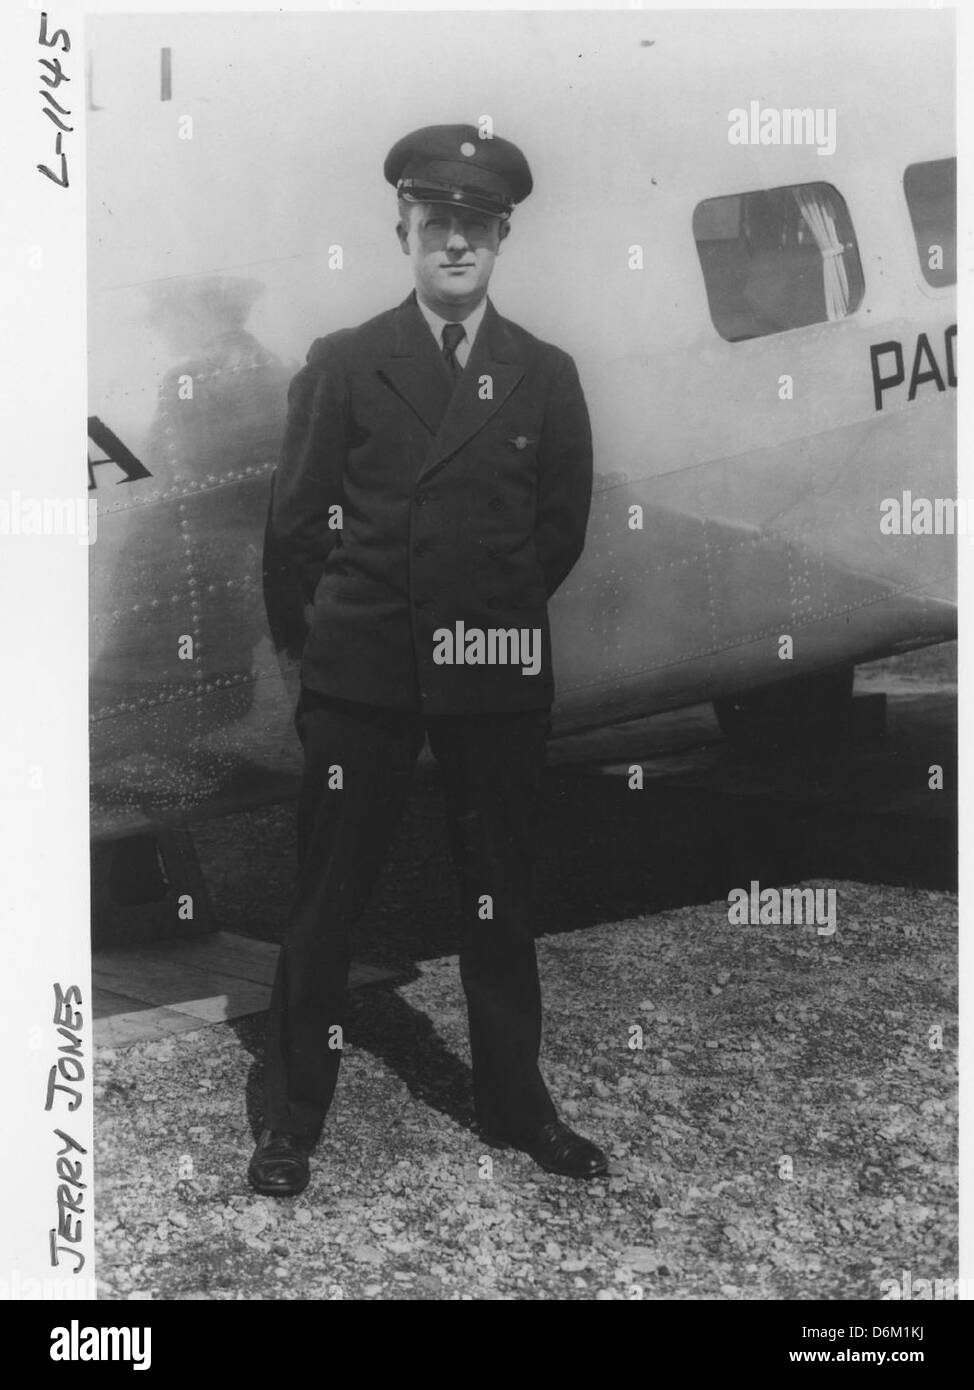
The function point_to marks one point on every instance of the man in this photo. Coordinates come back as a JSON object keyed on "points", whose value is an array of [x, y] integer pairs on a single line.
{"points": [[432, 494]]}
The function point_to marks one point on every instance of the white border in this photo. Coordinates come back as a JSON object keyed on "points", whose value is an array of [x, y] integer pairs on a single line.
{"points": [[43, 592]]}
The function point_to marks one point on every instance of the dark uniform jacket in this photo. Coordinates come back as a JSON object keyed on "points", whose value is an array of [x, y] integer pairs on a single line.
{"points": [[465, 505]]}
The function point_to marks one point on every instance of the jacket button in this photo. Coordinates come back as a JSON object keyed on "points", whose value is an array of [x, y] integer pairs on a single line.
{"points": [[495, 504], [421, 548]]}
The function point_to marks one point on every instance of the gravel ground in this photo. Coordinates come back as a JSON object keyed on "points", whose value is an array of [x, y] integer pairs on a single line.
{"points": [[787, 1131]]}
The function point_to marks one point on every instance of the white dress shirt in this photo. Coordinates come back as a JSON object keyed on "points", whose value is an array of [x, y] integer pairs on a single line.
{"points": [[471, 323]]}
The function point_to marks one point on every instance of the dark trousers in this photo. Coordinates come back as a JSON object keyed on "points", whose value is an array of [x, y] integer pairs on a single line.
{"points": [[491, 767]]}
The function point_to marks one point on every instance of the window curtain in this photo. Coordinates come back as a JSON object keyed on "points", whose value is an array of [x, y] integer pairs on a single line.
{"points": [[818, 214]]}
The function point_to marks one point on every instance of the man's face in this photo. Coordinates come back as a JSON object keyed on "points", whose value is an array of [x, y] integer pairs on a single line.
{"points": [[453, 252]]}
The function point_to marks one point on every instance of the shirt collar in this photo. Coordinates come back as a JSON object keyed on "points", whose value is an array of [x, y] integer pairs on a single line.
{"points": [[471, 323]]}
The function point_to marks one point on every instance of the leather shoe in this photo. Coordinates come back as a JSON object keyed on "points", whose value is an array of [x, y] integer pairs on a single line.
{"points": [[280, 1167], [558, 1149]]}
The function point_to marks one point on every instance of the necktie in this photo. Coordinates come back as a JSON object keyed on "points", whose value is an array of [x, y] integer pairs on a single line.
{"points": [[453, 336]]}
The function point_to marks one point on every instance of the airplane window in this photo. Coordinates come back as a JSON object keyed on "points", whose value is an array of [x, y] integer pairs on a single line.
{"points": [[931, 195], [777, 259]]}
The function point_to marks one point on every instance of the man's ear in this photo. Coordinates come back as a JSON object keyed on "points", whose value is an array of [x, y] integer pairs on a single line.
{"points": [[402, 232], [502, 235]]}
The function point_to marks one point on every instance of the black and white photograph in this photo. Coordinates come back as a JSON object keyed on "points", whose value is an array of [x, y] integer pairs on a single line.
{"points": [[482, 762]]}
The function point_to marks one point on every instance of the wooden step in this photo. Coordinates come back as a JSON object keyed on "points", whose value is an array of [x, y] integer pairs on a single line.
{"points": [[158, 988]]}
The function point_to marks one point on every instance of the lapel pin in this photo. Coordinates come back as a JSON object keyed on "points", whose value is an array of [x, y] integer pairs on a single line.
{"points": [[520, 442]]}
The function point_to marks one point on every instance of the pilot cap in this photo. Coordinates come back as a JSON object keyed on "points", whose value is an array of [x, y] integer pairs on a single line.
{"points": [[452, 164]]}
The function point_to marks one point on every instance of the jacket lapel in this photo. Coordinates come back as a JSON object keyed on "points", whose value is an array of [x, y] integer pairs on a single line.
{"points": [[495, 354], [415, 369]]}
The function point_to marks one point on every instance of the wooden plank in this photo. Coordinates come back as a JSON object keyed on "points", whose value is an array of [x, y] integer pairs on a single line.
{"points": [[162, 982], [222, 955], [223, 952], [160, 988], [144, 1026], [361, 974], [246, 999], [106, 1002]]}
